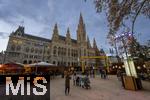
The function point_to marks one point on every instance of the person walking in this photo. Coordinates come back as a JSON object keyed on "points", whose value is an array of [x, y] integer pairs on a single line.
{"points": [[104, 73], [101, 73], [82, 80], [87, 82], [67, 84], [78, 81], [119, 74], [74, 79]]}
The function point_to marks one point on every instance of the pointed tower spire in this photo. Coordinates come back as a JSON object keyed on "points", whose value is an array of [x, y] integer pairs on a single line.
{"points": [[88, 42], [81, 19], [19, 31], [94, 44], [68, 32], [55, 33], [68, 39], [81, 31], [55, 25]]}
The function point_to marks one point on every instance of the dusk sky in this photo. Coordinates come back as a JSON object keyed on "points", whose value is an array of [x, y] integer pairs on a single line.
{"points": [[39, 17]]}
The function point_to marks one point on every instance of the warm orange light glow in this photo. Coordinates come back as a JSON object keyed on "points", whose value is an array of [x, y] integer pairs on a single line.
{"points": [[1, 65]]}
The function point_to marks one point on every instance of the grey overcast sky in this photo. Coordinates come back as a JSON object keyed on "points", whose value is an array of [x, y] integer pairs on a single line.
{"points": [[39, 17]]}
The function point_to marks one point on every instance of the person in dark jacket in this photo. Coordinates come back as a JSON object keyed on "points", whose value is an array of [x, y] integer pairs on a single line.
{"points": [[119, 74], [67, 84]]}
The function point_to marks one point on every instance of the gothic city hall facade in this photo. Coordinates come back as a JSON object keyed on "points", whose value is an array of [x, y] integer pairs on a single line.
{"points": [[60, 50]]}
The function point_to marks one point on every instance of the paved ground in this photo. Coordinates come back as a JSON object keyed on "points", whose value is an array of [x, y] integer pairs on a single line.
{"points": [[109, 89]]}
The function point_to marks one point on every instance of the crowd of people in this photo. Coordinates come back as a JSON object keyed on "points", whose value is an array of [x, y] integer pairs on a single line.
{"points": [[81, 79]]}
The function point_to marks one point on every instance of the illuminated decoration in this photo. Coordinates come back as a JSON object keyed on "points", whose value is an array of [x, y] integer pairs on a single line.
{"points": [[128, 61], [138, 67], [144, 66], [127, 35], [116, 66], [123, 66], [82, 58]]}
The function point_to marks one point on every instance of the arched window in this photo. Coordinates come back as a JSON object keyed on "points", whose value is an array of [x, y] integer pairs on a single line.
{"points": [[55, 50], [47, 61], [54, 62], [76, 53], [72, 52], [25, 62], [13, 47], [30, 62], [61, 63], [27, 49], [65, 51], [36, 50], [68, 63], [18, 48], [64, 63], [40, 51], [68, 52], [48, 52], [62, 51], [32, 50], [59, 51]]}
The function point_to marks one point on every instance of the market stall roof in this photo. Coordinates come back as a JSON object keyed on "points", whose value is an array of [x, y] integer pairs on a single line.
{"points": [[41, 64], [19, 64], [12, 65]]}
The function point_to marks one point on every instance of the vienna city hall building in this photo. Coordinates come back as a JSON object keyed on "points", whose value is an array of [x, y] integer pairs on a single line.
{"points": [[60, 50]]}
